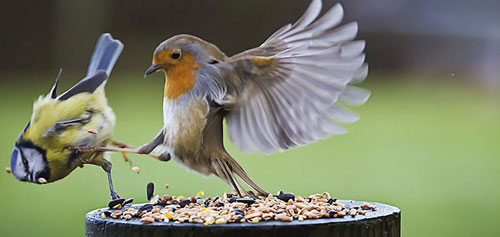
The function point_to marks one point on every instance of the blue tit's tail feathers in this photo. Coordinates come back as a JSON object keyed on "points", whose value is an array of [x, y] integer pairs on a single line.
{"points": [[105, 55], [104, 58]]}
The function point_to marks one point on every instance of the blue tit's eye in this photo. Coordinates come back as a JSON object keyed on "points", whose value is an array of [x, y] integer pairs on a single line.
{"points": [[176, 55], [25, 163]]}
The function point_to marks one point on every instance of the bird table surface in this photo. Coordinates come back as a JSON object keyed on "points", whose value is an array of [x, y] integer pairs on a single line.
{"points": [[385, 221]]}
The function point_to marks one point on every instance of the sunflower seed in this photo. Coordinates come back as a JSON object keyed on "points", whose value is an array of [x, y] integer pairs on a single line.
{"points": [[150, 189]]}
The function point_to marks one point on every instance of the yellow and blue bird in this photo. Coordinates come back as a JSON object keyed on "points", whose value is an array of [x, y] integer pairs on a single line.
{"points": [[48, 148]]}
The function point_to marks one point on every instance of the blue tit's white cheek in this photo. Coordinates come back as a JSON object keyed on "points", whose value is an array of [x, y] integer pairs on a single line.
{"points": [[35, 160]]}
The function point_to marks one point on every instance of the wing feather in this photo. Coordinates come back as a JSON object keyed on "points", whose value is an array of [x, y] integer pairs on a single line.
{"points": [[103, 59], [284, 93]]}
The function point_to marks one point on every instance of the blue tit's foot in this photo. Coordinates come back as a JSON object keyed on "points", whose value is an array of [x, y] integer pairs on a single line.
{"points": [[119, 203], [116, 203]]}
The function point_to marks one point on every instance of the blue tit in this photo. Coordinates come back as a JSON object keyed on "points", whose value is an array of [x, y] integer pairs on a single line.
{"points": [[79, 117]]}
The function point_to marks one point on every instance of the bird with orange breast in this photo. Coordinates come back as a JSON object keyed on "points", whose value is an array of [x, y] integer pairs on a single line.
{"points": [[290, 91]]}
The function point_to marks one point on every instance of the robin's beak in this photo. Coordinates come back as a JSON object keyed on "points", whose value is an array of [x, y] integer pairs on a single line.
{"points": [[151, 69]]}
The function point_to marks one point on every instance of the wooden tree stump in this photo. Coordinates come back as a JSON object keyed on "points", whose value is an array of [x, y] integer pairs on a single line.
{"points": [[384, 222]]}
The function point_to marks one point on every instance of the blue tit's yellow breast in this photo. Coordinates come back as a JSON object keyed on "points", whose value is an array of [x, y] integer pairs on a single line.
{"points": [[47, 111]]}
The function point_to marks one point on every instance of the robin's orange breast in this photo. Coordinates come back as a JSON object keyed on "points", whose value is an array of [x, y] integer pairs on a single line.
{"points": [[180, 78]]}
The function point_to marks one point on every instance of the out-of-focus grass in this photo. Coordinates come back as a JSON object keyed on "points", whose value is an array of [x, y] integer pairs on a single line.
{"points": [[430, 148]]}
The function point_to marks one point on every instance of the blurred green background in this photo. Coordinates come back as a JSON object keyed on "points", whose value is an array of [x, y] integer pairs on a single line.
{"points": [[427, 141]]}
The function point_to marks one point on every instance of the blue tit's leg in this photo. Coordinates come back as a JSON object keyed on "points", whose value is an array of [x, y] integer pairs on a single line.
{"points": [[107, 167], [116, 201]]}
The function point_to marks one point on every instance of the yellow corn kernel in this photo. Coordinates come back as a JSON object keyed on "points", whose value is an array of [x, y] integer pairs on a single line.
{"points": [[168, 216]]}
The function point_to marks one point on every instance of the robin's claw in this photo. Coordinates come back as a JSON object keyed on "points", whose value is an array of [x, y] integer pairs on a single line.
{"points": [[165, 156]]}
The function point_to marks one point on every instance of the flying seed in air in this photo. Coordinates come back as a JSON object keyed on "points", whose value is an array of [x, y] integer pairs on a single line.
{"points": [[150, 189], [136, 169]]}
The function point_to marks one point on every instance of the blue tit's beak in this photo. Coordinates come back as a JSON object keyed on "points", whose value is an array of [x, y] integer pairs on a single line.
{"points": [[151, 69]]}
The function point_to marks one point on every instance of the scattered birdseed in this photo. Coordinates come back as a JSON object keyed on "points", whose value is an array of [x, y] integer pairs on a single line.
{"points": [[368, 206], [136, 169], [231, 208], [147, 219], [8, 170], [128, 201], [167, 186]]}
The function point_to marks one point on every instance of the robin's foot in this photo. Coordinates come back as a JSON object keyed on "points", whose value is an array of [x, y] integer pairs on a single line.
{"points": [[164, 156], [143, 150]]}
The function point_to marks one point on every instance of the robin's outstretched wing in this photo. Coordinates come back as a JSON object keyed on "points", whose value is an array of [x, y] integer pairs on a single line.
{"points": [[285, 93]]}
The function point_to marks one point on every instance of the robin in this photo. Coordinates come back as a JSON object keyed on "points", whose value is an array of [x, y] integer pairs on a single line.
{"points": [[283, 94]]}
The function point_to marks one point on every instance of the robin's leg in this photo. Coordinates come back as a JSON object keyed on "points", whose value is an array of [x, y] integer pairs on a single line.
{"points": [[124, 155], [150, 146], [222, 171], [163, 157], [235, 168]]}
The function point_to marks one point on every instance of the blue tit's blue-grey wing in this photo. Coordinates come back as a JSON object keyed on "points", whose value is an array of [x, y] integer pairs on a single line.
{"points": [[88, 84], [103, 59], [286, 92], [53, 90]]}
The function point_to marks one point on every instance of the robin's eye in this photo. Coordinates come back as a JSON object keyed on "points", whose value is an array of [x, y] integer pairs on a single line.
{"points": [[176, 55]]}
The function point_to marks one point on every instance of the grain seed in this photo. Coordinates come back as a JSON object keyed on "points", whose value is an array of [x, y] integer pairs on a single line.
{"points": [[147, 220], [136, 169], [231, 208]]}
